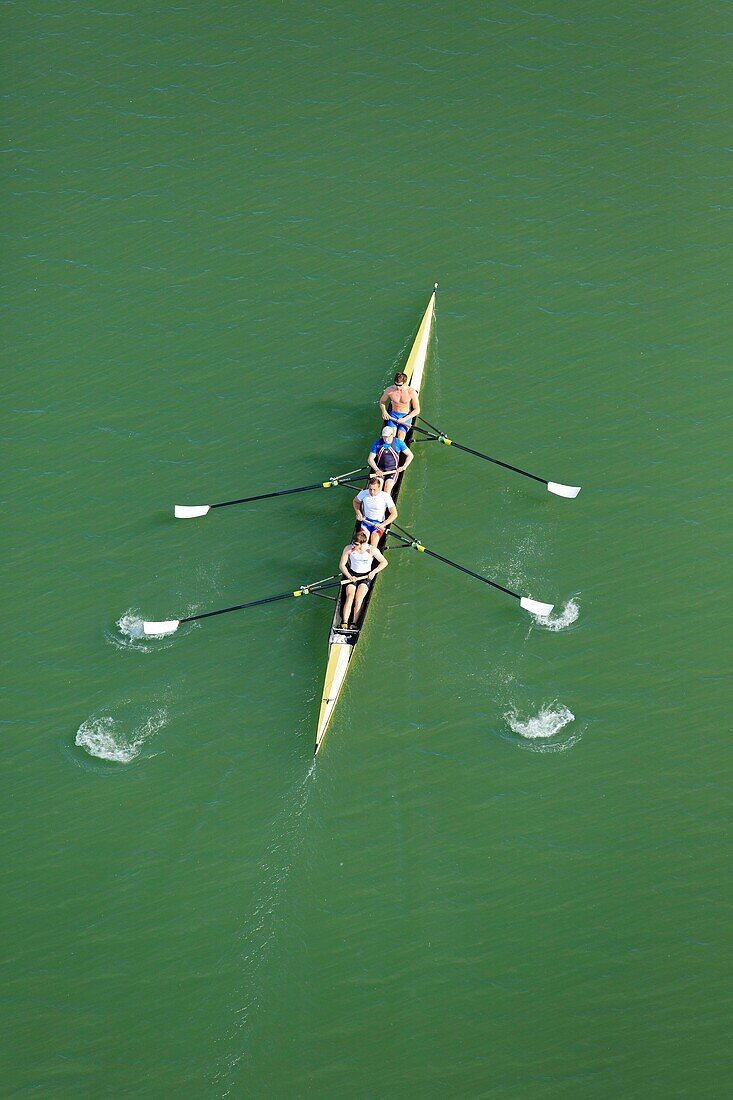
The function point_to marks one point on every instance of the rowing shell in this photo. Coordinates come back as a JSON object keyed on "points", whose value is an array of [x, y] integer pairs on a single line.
{"points": [[341, 645]]}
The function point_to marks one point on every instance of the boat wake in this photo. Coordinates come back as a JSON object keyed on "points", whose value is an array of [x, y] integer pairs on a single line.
{"points": [[112, 739], [257, 937], [544, 727], [562, 619]]}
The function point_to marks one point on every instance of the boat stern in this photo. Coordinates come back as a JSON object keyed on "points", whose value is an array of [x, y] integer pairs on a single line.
{"points": [[339, 655]]}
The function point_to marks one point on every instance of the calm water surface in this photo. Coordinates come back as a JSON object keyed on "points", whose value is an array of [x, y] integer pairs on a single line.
{"points": [[505, 876]]}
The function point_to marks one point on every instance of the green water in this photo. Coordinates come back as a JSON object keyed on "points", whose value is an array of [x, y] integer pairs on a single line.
{"points": [[221, 224]]}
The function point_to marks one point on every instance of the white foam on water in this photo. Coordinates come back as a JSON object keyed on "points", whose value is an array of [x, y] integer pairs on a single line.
{"points": [[130, 625], [526, 549], [128, 634], [101, 737], [104, 736], [559, 620], [541, 729], [550, 720]]}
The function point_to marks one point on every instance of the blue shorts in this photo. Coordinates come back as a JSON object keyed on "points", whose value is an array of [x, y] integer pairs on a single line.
{"points": [[369, 525], [393, 418]]}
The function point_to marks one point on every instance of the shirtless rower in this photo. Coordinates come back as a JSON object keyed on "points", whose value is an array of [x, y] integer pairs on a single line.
{"points": [[384, 457], [375, 510], [404, 405], [360, 564]]}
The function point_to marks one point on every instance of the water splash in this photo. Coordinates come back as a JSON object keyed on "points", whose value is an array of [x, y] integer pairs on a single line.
{"points": [[130, 625], [547, 723], [543, 726], [561, 619], [128, 634], [526, 549], [104, 736]]}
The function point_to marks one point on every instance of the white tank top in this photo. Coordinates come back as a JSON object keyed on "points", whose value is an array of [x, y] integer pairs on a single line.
{"points": [[360, 561], [375, 508]]}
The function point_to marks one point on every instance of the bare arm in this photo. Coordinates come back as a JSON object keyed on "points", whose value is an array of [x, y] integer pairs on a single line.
{"points": [[415, 403], [343, 564], [408, 459], [391, 516], [383, 404], [357, 507], [382, 562], [373, 463]]}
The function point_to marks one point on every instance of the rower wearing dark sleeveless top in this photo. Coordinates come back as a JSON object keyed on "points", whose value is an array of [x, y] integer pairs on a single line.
{"points": [[360, 564], [384, 457]]}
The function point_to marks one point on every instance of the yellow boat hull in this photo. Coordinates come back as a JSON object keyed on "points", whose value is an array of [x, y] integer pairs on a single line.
{"points": [[340, 646]]}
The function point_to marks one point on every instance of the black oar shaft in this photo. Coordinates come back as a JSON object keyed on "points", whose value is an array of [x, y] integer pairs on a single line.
{"points": [[287, 492], [267, 496], [480, 454], [498, 462], [236, 607], [317, 587], [469, 572], [410, 540]]}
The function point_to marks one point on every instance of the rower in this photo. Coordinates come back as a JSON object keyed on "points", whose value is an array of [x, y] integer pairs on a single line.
{"points": [[358, 566], [384, 457], [375, 510], [404, 405]]}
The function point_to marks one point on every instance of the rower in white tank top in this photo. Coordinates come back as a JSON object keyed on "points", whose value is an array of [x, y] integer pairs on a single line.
{"points": [[360, 559], [359, 563]]}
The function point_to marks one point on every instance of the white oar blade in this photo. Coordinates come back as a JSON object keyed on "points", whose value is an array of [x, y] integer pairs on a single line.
{"points": [[570, 491], [170, 626], [183, 511], [535, 607]]}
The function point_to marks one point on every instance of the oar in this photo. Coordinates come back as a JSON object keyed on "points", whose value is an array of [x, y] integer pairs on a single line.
{"points": [[186, 511], [170, 626], [533, 606], [570, 491]]}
